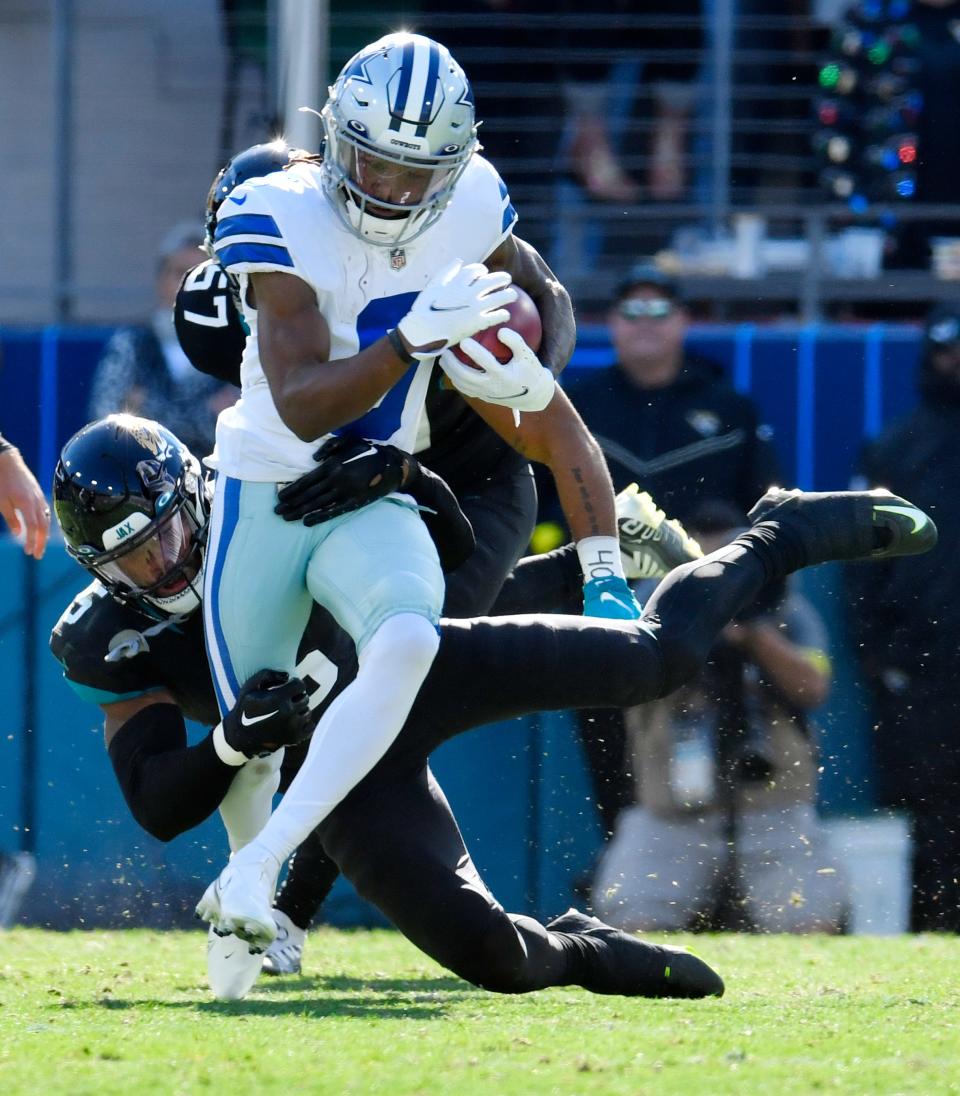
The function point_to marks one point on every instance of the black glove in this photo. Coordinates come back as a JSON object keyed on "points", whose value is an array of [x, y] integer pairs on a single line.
{"points": [[350, 473], [271, 711]]}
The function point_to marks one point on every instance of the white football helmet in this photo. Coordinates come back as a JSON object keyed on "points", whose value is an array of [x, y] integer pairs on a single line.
{"points": [[400, 129]]}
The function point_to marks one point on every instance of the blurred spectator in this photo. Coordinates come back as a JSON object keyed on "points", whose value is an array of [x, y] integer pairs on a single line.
{"points": [[724, 783], [144, 371], [906, 619], [888, 113], [620, 46], [598, 95], [669, 420], [510, 50], [776, 44], [521, 52], [665, 417]]}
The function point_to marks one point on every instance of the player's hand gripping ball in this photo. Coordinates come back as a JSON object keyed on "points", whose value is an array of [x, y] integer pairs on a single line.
{"points": [[524, 319], [500, 364]]}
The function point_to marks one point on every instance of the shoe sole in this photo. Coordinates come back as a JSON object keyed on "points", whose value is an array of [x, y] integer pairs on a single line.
{"points": [[661, 542], [231, 983], [276, 971], [253, 930]]}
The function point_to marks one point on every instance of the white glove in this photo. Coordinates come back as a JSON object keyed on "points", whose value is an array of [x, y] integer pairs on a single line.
{"points": [[521, 383], [458, 303]]}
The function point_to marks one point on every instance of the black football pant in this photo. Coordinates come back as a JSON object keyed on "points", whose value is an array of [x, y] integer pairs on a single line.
{"points": [[395, 838], [495, 580], [503, 514]]}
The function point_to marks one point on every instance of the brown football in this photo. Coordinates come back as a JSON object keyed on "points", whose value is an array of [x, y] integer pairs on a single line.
{"points": [[524, 319]]}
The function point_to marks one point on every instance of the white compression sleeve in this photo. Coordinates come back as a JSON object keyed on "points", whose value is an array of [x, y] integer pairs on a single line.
{"points": [[246, 807], [355, 731]]}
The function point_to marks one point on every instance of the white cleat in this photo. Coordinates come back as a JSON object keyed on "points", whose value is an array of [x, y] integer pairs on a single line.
{"points": [[240, 900], [650, 544], [285, 954], [232, 967]]}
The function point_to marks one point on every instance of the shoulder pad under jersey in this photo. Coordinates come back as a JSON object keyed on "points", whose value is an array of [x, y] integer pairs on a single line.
{"points": [[254, 223], [94, 641], [481, 200]]}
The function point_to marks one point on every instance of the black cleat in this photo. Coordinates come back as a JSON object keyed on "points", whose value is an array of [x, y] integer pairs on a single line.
{"points": [[626, 965], [848, 525]]}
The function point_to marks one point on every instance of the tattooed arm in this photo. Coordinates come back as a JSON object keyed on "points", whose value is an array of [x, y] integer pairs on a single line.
{"points": [[558, 438], [528, 270]]}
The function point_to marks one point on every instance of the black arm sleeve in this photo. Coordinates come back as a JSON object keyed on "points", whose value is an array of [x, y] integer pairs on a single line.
{"points": [[449, 526], [170, 787]]}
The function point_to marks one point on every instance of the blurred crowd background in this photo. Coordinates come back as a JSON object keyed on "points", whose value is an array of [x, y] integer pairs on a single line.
{"points": [[781, 176], [775, 155]]}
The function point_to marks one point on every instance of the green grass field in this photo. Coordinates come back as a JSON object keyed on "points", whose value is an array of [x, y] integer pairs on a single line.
{"points": [[100, 1012]]}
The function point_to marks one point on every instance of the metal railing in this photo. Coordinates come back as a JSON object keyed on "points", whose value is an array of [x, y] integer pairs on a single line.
{"points": [[750, 84]]}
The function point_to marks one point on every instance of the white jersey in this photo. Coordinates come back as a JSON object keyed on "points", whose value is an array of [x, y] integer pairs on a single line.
{"points": [[284, 222]]}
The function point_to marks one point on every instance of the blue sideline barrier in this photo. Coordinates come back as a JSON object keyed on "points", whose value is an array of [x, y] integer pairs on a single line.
{"points": [[519, 789]]}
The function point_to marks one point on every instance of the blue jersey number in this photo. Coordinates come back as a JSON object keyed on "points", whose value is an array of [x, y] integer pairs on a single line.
{"points": [[382, 421]]}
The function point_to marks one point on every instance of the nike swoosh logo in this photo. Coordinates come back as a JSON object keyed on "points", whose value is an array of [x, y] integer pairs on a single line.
{"points": [[515, 395], [918, 517], [238, 201], [447, 308], [255, 718], [365, 453]]}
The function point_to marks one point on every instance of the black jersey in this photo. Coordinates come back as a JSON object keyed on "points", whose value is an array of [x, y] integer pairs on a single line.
{"points": [[210, 330], [111, 651], [461, 447]]}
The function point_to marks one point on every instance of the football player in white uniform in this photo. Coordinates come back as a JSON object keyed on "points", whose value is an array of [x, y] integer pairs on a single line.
{"points": [[355, 273]]}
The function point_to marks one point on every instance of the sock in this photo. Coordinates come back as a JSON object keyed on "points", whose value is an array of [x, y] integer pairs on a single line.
{"points": [[600, 558]]}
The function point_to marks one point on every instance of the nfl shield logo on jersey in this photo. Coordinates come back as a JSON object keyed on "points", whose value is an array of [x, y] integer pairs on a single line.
{"points": [[398, 258]]}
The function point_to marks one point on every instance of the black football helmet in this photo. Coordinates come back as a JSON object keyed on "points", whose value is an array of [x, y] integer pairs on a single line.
{"points": [[132, 504], [252, 163]]}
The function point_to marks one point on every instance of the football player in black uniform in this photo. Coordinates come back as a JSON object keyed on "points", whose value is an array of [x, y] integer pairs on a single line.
{"points": [[132, 509]]}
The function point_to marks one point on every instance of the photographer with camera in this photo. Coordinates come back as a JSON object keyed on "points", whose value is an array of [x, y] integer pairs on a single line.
{"points": [[724, 831]]}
